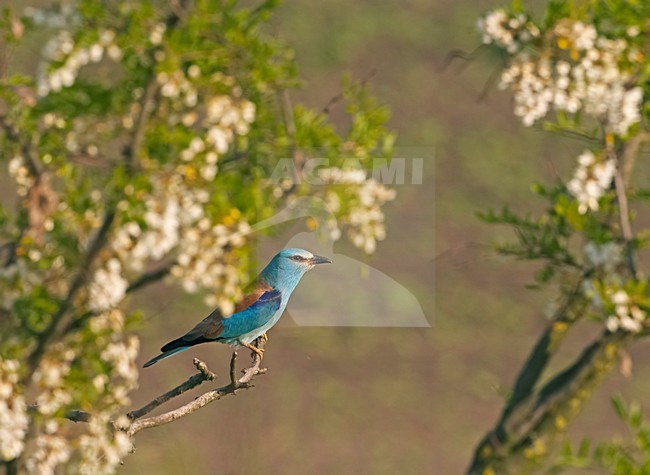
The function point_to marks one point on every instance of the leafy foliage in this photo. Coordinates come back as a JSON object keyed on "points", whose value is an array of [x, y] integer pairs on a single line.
{"points": [[146, 144]]}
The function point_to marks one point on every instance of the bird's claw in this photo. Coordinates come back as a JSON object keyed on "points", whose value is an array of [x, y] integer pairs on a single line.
{"points": [[259, 351]]}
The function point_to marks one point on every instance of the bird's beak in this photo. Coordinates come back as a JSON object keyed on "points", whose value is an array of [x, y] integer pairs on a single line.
{"points": [[320, 260]]}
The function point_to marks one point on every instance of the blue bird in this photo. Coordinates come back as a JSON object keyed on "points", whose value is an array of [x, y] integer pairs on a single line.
{"points": [[256, 313]]}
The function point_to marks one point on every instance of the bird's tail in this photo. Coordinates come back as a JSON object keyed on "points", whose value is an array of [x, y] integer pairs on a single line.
{"points": [[164, 355]]}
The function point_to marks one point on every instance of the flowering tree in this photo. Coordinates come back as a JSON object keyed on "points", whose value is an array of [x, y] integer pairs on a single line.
{"points": [[143, 148], [583, 71]]}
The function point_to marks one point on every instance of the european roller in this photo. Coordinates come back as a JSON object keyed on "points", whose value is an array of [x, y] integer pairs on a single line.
{"points": [[256, 313]]}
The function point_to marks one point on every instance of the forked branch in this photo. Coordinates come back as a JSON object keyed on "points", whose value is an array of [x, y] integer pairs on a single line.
{"points": [[204, 374]]}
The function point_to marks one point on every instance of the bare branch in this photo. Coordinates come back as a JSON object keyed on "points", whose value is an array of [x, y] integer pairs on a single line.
{"points": [[235, 384], [204, 374]]}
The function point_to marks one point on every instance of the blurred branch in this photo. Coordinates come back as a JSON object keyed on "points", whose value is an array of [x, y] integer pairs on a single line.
{"points": [[621, 197], [521, 403], [341, 95], [129, 152], [35, 170], [244, 382], [558, 401], [147, 108], [630, 153], [455, 54], [290, 126], [57, 320], [149, 277]]}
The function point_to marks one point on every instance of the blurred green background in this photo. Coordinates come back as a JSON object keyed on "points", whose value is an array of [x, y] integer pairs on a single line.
{"points": [[390, 400], [393, 400]]}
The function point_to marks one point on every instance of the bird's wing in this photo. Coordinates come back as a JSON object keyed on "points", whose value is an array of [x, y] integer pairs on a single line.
{"points": [[207, 329], [215, 326], [254, 316], [253, 294]]}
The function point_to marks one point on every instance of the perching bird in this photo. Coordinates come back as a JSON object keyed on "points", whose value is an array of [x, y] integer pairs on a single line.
{"points": [[256, 313]]}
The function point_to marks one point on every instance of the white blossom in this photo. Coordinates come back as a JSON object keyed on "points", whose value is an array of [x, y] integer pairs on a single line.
{"points": [[157, 33], [108, 287], [607, 256], [508, 31], [13, 412], [102, 448], [591, 180], [365, 218], [591, 78], [47, 453], [627, 315]]}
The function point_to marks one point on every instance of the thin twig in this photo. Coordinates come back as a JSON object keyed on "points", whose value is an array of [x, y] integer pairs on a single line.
{"points": [[204, 374], [341, 95]]}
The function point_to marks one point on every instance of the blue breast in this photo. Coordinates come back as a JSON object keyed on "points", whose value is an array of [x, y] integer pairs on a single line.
{"points": [[254, 317]]}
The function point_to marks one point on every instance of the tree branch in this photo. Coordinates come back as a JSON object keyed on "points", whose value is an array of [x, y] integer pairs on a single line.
{"points": [[630, 153], [521, 402], [621, 197], [94, 248], [204, 374], [560, 399], [149, 277], [244, 382]]}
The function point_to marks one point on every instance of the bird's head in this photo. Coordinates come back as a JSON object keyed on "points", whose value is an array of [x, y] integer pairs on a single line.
{"points": [[289, 265], [299, 259]]}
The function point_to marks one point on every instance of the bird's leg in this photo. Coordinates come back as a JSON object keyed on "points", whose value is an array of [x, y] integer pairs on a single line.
{"points": [[265, 337], [259, 351]]}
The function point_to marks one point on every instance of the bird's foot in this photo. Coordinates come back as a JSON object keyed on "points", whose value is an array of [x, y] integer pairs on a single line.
{"points": [[259, 351]]}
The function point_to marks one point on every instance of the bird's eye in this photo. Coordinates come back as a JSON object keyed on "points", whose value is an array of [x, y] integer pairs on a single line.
{"points": [[298, 258]]}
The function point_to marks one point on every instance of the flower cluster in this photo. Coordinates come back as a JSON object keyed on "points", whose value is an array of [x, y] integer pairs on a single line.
{"points": [[46, 452], [49, 378], [70, 58], [605, 256], [20, 174], [627, 316], [108, 287], [576, 69], [175, 85], [58, 16], [507, 31], [13, 412], [175, 219], [225, 118], [364, 216], [104, 445], [591, 180], [135, 247], [205, 261], [121, 355]]}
